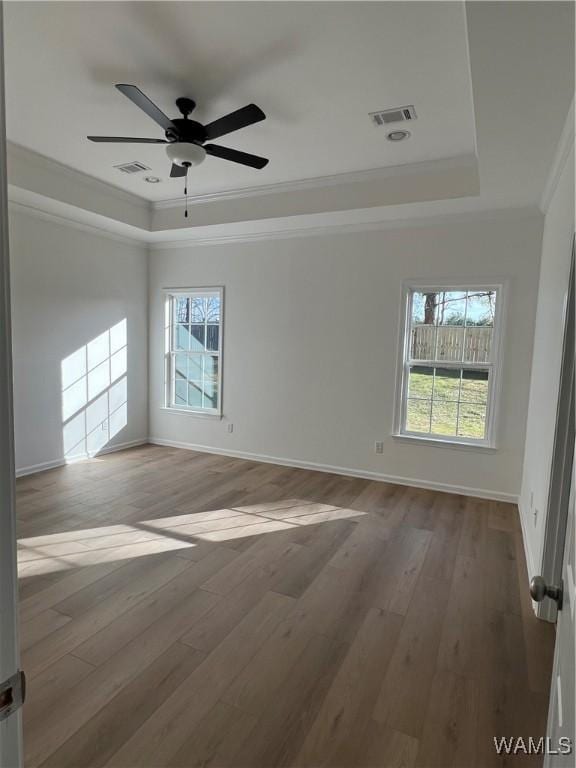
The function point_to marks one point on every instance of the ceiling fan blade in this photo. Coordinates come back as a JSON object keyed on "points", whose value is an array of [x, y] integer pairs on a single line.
{"points": [[141, 100], [235, 156], [234, 121], [177, 170], [126, 140]]}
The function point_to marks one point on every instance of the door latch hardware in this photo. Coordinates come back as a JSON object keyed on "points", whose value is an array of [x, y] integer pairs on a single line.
{"points": [[12, 694], [539, 590]]}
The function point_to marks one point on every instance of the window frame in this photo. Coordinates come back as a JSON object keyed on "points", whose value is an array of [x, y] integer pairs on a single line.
{"points": [[170, 294], [494, 365]]}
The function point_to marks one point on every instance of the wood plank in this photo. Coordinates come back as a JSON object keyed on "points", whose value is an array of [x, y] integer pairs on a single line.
{"points": [[102, 735], [351, 697], [221, 734], [51, 685], [68, 637], [198, 693], [86, 699], [44, 624], [102, 645], [281, 731], [450, 727], [404, 693]]}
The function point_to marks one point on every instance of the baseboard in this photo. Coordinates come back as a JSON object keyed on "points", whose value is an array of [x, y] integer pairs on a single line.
{"points": [[527, 551], [46, 465], [43, 467], [346, 471]]}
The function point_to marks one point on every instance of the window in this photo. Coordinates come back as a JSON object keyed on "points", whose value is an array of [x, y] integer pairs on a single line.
{"points": [[193, 338], [450, 364]]}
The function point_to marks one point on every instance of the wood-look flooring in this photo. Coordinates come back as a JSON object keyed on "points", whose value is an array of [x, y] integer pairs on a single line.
{"points": [[185, 609]]}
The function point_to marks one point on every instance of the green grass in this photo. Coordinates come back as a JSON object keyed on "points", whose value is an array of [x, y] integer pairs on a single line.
{"points": [[443, 415]]}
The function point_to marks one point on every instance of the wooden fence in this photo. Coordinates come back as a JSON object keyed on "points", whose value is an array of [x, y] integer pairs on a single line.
{"points": [[450, 341]]}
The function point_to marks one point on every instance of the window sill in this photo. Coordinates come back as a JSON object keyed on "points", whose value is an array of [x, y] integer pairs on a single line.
{"points": [[187, 412], [452, 444]]}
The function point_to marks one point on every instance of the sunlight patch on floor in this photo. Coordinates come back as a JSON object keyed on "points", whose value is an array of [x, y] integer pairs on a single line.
{"points": [[40, 555]]}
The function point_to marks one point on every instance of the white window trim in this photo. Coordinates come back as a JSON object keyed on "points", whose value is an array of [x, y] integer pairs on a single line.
{"points": [[494, 394], [167, 405]]}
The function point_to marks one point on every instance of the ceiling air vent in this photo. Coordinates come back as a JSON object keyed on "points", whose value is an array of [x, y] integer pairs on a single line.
{"points": [[134, 167], [396, 115]]}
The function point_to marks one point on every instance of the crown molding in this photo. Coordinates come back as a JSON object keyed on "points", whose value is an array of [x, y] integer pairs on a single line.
{"points": [[431, 213], [407, 222], [39, 176], [16, 153], [323, 182], [73, 223], [563, 149]]}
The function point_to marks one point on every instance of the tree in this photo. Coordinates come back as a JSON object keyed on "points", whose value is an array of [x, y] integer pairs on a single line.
{"points": [[429, 308]]}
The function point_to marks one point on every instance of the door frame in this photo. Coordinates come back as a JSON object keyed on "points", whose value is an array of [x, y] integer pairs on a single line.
{"points": [[562, 456], [11, 727]]}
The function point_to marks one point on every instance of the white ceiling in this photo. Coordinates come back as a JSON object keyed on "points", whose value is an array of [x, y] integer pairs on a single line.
{"points": [[317, 70]]}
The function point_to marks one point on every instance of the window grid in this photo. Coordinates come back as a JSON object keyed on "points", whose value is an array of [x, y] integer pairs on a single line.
{"points": [[193, 357], [462, 408]]}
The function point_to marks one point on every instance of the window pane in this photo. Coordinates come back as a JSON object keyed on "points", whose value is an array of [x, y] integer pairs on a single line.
{"points": [[477, 344], [197, 343], [180, 386], [474, 386], [195, 368], [444, 416], [194, 395], [424, 308], [180, 366], [420, 382], [210, 394], [198, 309], [418, 415], [211, 368], [212, 337], [449, 343], [181, 309], [472, 421], [480, 309], [447, 384], [213, 309], [423, 342], [181, 336], [451, 307]]}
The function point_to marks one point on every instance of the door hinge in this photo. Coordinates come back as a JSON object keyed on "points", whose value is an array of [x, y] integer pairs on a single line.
{"points": [[12, 694]]}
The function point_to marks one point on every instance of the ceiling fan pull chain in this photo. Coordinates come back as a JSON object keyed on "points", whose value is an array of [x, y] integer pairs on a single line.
{"points": [[186, 193]]}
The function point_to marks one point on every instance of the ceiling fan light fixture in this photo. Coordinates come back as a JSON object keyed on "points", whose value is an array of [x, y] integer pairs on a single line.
{"points": [[185, 154]]}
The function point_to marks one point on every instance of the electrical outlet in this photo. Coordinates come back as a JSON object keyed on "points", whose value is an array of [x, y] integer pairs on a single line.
{"points": [[230, 427], [378, 447]]}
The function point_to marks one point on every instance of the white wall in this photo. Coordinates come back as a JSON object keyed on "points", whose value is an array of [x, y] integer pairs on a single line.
{"points": [[69, 286], [552, 296], [311, 345]]}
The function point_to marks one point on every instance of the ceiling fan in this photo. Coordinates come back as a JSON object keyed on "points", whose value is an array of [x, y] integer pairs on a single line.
{"points": [[185, 139]]}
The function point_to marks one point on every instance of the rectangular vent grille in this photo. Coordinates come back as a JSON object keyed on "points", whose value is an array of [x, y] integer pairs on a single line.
{"points": [[396, 115], [134, 167]]}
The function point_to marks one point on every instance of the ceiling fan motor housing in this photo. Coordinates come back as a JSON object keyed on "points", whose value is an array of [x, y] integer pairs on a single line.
{"points": [[183, 129]]}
